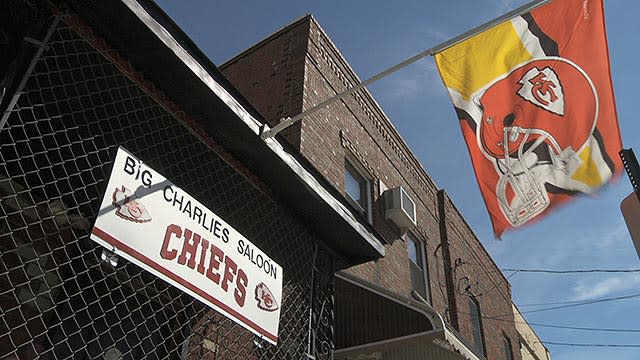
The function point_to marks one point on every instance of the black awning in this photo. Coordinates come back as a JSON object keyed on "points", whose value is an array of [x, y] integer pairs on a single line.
{"points": [[365, 313], [370, 319]]}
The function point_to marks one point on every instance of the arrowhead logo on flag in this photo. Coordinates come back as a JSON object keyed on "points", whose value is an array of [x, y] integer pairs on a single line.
{"points": [[536, 106], [542, 88]]}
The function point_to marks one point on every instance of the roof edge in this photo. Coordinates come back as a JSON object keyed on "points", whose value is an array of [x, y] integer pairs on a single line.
{"points": [[301, 20], [201, 71], [375, 106], [526, 322]]}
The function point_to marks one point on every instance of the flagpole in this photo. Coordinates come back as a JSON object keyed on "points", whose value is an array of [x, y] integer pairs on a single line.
{"points": [[286, 122]]}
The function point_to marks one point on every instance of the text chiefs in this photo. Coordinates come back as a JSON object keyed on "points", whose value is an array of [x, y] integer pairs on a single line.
{"points": [[201, 247]]}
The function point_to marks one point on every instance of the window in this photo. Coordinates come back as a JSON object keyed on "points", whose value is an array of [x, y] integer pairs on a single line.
{"points": [[508, 354], [418, 267], [357, 188], [408, 205], [476, 322]]}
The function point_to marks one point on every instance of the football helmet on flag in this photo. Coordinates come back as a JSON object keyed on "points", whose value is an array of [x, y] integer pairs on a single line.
{"points": [[535, 121]]}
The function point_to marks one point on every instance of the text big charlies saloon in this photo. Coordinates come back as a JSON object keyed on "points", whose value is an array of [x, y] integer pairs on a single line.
{"points": [[150, 221]]}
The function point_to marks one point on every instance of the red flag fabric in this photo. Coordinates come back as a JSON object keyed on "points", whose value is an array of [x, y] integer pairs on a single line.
{"points": [[535, 102]]}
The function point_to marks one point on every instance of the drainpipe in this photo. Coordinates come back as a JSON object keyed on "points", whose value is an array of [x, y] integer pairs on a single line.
{"points": [[446, 259]]}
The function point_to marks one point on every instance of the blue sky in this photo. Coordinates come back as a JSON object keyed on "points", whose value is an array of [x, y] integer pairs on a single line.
{"points": [[373, 35]]}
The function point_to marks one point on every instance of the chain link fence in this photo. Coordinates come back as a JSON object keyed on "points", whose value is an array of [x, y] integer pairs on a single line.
{"points": [[60, 296]]}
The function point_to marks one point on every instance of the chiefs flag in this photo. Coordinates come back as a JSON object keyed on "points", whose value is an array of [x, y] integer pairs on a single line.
{"points": [[536, 107]]}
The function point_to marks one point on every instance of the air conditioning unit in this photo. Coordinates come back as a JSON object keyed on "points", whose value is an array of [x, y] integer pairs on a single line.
{"points": [[399, 208]]}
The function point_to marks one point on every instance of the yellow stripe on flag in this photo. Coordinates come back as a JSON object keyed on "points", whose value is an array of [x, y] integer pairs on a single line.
{"points": [[470, 65], [588, 172]]}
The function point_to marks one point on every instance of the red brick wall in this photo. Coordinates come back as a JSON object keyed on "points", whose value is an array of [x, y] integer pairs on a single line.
{"points": [[475, 273], [271, 75], [357, 128]]}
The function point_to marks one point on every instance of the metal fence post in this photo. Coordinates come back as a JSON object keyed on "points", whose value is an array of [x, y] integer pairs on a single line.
{"points": [[41, 47]]}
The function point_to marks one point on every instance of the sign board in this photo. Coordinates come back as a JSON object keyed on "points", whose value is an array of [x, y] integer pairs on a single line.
{"points": [[148, 220], [630, 207]]}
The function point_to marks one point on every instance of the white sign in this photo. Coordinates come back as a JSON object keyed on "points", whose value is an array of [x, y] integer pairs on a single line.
{"points": [[151, 222]]}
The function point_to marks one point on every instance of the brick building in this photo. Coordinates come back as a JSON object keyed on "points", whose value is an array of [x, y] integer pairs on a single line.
{"points": [[377, 261], [531, 347], [436, 261], [80, 79]]}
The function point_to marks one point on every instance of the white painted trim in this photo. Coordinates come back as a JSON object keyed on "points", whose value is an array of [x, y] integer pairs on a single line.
{"points": [[323, 193], [368, 179], [192, 64], [381, 346], [460, 346]]}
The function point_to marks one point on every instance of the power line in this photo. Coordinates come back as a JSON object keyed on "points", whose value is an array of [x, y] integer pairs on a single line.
{"points": [[582, 303], [568, 271], [586, 328], [567, 304], [498, 284], [574, 328], [578, 301], [574, 271], [479, 262], [568, 327], [588, 302], [590, 345]]}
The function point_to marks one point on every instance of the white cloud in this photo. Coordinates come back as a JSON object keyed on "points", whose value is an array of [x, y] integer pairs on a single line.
{"points": [[416, 81], [577, 245], [587, 290], [614, 236]]}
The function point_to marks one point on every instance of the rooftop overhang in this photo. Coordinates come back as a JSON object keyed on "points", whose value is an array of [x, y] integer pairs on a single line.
{"points": [[142, 33], [374, 323]]}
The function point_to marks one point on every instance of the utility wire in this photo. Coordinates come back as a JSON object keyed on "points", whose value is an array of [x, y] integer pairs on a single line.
{"points": [[590, 345], [586, 328], [472, 252], [589, 302], [564, 302], [556, 326], [498, 284], [573, 328], [574, 271]]}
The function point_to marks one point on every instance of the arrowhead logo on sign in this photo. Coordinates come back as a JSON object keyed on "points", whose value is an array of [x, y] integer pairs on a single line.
{"points": [[266, 300], [129, 207]]}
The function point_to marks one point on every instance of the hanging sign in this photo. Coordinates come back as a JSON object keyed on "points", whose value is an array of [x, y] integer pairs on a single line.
{"points": [[148, 220]]}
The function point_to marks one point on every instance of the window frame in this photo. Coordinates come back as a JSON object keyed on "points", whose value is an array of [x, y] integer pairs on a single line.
{"points": [[508, 347], [421, 254], [476, 324], [353, 168]]}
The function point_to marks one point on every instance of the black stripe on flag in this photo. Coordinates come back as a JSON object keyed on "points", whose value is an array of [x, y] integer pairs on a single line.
{"points": [[464, 116], [552, 189], [549, 46], [605, 155]]}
